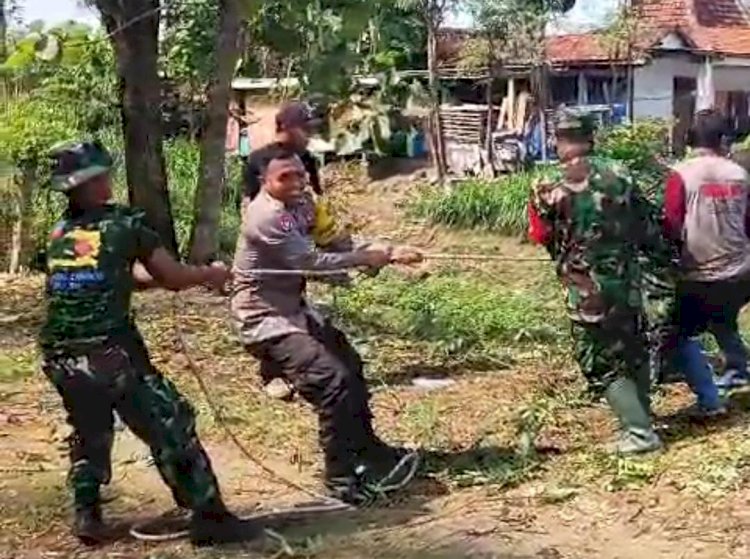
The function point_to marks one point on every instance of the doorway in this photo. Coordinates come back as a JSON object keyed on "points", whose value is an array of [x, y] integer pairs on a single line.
{"points": [[683, 109]]}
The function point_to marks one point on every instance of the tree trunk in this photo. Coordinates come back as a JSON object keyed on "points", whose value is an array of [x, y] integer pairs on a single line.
{"points": [[437, 139], [630, 93], [3, 32], [136, 47], [204, 235], [21, 235], [490, 128]]}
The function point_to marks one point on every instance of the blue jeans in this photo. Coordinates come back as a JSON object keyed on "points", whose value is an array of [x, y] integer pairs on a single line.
{"points": [[690, 359]]}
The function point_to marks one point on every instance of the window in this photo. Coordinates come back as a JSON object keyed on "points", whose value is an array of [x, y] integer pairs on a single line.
{"points": [[599, 89], [564, 90]]}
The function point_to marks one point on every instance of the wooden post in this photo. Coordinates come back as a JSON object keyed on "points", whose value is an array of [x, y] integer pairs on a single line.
{"points": [[583, 92], [631, 94]]}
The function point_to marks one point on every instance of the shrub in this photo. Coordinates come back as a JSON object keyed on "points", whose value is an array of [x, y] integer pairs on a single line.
{"points": [[29, 128], [496, 205], [636, 144], [181, 158], [643, 148]]}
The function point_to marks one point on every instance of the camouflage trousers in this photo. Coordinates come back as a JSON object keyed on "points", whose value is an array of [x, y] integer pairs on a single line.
{"points": [[118, 375], [662, 327], [608, 350]]}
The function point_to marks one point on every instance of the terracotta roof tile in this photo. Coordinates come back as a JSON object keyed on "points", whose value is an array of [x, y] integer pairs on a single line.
{"points": [[732, 41], [719, 13], [577, 48], [720, 26], [664, 13]]}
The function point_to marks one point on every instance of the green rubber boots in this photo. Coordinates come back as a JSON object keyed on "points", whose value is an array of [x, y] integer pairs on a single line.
{"points": [[632, 407]]}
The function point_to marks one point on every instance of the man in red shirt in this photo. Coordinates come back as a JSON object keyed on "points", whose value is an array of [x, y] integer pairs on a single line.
{"points": [[706, 212]]}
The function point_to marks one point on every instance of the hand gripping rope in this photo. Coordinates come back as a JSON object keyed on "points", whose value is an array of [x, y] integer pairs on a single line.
{"points": [[327, 504]]}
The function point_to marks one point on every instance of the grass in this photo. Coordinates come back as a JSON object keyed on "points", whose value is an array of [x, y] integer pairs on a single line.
{"points": [[528, 431], [497, 205], [455, 313], [17, 364]]}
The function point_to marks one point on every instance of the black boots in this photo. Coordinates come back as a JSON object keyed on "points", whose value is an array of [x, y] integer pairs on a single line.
{"points": [[88, 526], [380, 469], [211, 525], [216, 525]]}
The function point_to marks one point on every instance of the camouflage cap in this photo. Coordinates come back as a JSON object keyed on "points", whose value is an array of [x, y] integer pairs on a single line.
{"points": [[74, 163], [571, 121]]}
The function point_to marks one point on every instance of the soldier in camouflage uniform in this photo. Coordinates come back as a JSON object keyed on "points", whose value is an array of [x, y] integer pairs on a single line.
{"points": [[96, 359], [594, 224]]}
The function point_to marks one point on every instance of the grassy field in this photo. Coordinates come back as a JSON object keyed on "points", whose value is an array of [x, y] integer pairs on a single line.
{"points": [[515, 465]]}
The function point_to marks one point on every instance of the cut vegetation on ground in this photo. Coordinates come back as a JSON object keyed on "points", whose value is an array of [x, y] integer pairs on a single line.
{"points": [[515, 464]]}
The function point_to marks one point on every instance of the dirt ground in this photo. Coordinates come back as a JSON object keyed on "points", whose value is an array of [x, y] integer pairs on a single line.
{"points": [[576, 503]]}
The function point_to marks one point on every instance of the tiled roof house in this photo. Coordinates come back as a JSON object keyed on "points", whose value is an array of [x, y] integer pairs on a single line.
{"points": [[678, 41]]}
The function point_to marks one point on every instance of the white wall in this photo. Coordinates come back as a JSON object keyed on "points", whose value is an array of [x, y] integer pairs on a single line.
{"points": [[732, 78], [654, 87]]}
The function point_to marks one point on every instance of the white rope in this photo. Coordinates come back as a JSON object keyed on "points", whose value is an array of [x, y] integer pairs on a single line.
{"points": [[426, 256], [293, 272], [479, 257]]}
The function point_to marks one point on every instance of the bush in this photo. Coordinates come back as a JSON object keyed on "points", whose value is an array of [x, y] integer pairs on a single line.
{"points": [[456, 311], [29, 128], [496, 205], [637, 144], [643, 148]]}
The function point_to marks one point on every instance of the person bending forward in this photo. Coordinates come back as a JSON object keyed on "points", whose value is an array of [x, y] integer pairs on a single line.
{"points": [[96, 358], [277, 326]]}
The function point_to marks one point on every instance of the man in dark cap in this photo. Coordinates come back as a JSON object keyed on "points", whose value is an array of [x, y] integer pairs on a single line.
{"points": [[294, 124], [95, 357]]}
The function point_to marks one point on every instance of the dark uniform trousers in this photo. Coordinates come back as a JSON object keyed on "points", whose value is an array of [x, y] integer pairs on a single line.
{"points": [[328, 372], [118, 375], [715, 307]]}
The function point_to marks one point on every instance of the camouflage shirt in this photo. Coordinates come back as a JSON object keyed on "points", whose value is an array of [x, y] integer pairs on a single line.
{"points": [[90, 258], [598, 232]]}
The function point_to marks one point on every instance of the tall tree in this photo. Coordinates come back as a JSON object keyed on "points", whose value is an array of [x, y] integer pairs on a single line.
{"points": [[433, 13], [317, 41], [134, 28], [208, 197], [493, 22], [514, 30]]}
